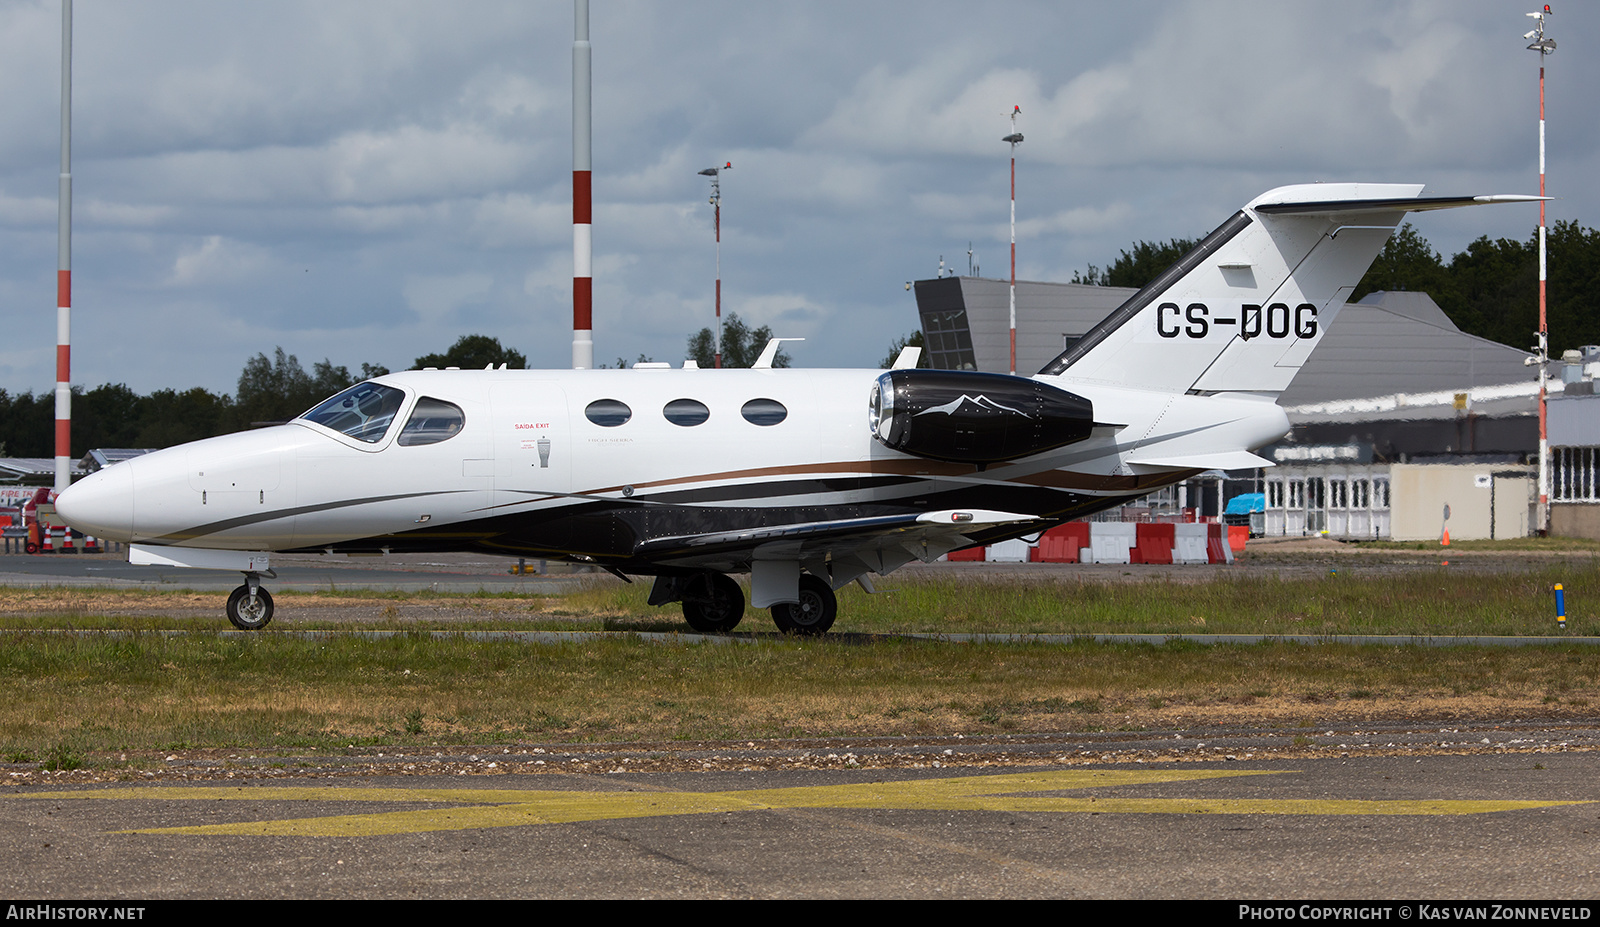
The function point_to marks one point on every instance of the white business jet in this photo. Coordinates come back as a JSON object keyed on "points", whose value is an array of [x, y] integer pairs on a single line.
{"points": [[805, 479]]}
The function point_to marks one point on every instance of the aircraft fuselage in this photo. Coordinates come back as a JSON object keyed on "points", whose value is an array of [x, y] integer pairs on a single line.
{"points": [[594, 465]]}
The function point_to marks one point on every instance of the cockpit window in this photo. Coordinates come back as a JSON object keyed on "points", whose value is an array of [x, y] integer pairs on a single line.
{"points": [[363, 411], [432, 421]]}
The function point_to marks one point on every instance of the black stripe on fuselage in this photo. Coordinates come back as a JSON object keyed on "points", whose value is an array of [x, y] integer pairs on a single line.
{"points": [[189, 534], [609, 531]]}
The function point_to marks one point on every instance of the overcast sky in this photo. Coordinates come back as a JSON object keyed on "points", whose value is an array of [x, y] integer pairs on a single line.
{"points": [[367, 181]]}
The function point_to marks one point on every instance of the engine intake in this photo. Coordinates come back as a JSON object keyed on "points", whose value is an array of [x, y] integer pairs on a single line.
{"points": [[969, 417]]}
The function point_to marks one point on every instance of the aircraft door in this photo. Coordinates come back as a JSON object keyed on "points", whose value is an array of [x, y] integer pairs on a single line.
{"points": [[533, 449]]}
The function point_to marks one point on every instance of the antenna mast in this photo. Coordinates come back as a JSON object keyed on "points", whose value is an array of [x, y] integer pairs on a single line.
{"points": [[715, 173], [1013, 139], [1544, 47]]}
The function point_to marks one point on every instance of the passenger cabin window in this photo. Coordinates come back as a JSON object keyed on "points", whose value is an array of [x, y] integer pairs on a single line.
{"points": [[686, 412], [363, 411], [432, 421], [608, 413], [764, 412]]}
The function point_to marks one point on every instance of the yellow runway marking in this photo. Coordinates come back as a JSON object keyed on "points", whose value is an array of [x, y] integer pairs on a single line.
{"points": [[1021, 792]]}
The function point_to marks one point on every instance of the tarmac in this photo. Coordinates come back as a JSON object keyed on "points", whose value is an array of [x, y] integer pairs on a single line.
{"points": [[1382, 833], [453, 573]]}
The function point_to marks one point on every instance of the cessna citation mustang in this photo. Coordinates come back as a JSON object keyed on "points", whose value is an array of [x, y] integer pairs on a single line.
{"points": [[805, 479]]}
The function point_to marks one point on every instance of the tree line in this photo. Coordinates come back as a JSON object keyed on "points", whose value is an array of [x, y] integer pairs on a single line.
{"points": [[270, 390]]}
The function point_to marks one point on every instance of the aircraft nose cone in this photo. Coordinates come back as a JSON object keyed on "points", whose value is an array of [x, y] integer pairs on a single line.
{"points": [[101, 504]]}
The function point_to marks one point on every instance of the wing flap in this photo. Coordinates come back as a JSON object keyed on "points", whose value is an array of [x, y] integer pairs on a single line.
{"points": [[852, 545]]}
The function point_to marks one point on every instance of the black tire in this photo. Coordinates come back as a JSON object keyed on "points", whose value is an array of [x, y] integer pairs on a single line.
{"points": [[247, 613], [713, 603], [30, 548], [813, 614]]}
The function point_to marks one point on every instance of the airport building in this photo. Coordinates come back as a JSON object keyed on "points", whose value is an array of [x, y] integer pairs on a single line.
{"points": [[1574, 429], [1396, 415]]}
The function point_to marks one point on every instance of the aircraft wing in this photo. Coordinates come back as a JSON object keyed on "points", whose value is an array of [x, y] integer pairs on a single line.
{"points": [[841, 549]]}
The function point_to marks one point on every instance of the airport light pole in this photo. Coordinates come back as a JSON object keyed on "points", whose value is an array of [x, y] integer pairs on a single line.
{"points": [[1013, 139], [1544, 46], [64, 266], [715, 173]]}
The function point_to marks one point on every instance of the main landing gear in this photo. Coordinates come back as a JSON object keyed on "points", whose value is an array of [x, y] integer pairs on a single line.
{"points": [[250, 606], [810, 616], [713, 603]]}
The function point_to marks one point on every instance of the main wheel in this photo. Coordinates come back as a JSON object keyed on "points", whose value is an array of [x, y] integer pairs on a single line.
{"points": [[713, 603], [250, 612], [813, 614]]}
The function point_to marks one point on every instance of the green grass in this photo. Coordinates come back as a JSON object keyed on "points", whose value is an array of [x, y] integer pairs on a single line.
{"points": [[1357, 599], [76, 696], [1351, 601]]}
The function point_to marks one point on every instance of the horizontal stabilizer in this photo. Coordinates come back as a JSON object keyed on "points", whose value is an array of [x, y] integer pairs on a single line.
{"points": [[1226, 460], [1397, 204]]}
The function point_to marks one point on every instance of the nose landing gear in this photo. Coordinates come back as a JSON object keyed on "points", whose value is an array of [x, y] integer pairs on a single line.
{"points": [[713, 603], [250, 606]]}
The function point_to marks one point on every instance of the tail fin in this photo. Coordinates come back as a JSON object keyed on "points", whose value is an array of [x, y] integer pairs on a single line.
{"points": [[1243, 310]]}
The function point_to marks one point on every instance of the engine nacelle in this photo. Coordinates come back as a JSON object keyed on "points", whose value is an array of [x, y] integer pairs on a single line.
{"points": [[969, 417]]}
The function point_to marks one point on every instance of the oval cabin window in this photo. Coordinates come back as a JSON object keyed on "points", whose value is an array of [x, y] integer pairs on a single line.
{"points": [[764, 412], [608, 413], [686, 412]]}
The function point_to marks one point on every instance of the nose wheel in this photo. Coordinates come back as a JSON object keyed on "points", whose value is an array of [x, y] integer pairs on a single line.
{"points": [[713, 603], [250, 606]]}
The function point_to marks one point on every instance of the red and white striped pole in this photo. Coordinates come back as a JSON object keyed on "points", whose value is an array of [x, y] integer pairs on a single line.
{"points": [[64, 266], [582, 205], [1014, 138], [1544, 47]]}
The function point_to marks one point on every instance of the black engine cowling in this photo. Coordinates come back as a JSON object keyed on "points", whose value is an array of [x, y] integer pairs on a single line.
{"points": [[969, 417]]}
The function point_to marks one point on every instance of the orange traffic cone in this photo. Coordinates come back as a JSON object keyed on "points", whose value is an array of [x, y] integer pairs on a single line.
{"points": [[1445, 541]]}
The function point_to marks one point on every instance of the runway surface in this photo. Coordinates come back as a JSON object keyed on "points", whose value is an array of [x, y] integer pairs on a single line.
{"points": [[1515, 826], [456, 573]]}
